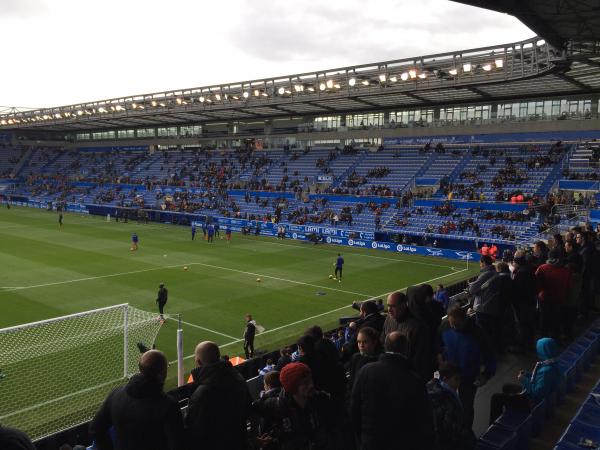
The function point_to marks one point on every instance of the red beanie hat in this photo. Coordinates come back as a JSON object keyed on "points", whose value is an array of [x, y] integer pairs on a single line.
{"points": [[292, 375]]}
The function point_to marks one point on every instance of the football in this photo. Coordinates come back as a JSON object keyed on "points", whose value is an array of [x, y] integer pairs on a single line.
{"points": [[258, 280], [330, 277], [185, 267]]}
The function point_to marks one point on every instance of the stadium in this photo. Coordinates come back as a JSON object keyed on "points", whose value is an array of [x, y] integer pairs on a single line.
{"points": [[458, 187]]}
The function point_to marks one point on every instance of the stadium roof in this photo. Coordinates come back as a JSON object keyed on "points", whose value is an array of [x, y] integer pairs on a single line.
{"points": [[558, 21], [521, 70]]}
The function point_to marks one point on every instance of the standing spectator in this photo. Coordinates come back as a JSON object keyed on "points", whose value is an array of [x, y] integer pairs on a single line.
{"points": [[400, 319], [140, 413], [381, 388], [441, 296], [220, 404], [451, 428], [554, 282], [161, 299], [465, 345], [249, 334], [524, 301], [368, 351], [589, 269], [486, 290], [303, 416]]}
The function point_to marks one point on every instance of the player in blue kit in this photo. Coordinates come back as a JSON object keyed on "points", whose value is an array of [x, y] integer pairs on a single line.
{"points": [[339, 264], [193, 231], [134, 242], [211, 233]]}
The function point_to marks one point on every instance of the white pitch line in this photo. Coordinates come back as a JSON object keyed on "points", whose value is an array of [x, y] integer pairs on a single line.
{"points": [[203, 328], [355, 254], [325, 313], [278, 278]]}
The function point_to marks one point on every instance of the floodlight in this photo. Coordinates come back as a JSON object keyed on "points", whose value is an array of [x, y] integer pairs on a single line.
{"points": [[365, 82], [256, 92], [329, 84], [382, 77], [80, 112], [281, 90], [412, 73], [499, 63], [487, 67], [404, 76], [466, 67], [337, 86], [264, 94], [218, 97], [153, 103], [352, 81], [2, 122], [178, 101], [322, 87], [311, 88], [393, 78], [235, 97], [453, 72], [298, 87], [201, 99]]}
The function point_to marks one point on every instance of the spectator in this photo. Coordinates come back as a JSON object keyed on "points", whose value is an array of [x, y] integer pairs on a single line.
{"points": [[249, 333], [532, 387], [13, 439], [140, 413], [486, 290], [285, 357], [399, 318], [220, 404], [262, 426], [451, 428], [370, 317], [268, 368], [303, 417], [554, 282], [465, 345], [368, 351], [589, 270], [524, 301], [382, 389], [441, 296]]}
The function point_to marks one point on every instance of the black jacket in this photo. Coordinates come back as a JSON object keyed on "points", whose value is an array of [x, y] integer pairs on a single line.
{"points": [[380, 411], [143, 417], [163, 295], [250, 331], [218, 408], [13, 439], [524, 288]]}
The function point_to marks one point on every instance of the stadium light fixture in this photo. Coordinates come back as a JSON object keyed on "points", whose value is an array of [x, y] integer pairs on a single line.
{"points": [[453, 72], [412, 73], [102, 110], [499, 63], [141, 107], [422, 76], [154, 103], [299, 87], [201, 99], [246, 94], [404, 76], [466, 67], [329, 84], [352, 81], [2, 122], [365, 82], [178, 101], [264, 94], [382, 77], [322, 87], [281, 90], [208, 100], [487, 67], [134, 105], [235, 97], [80, 112], [337, 86], [311, 88], [256, 92], [218, 97], [393, 78]]}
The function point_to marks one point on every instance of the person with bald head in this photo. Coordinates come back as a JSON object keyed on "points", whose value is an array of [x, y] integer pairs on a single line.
{"points": [[381, 393], [142, 414], [220, 404]]}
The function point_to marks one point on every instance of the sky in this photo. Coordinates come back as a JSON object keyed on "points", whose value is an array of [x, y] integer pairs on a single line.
{"points": [[60, 52]]}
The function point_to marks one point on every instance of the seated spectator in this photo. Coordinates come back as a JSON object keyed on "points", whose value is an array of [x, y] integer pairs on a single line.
{"points": [[285, 357], [533, 387], [381, 390], [302, 416], [268, 368], [13, 439], [451, 428], [140, 413], [220, 404], [368, 351]]}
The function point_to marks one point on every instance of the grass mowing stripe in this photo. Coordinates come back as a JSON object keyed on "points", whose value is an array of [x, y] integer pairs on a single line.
{"points": [[202, 328]]}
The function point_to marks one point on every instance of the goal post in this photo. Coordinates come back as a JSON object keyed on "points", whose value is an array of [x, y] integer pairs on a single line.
{"points": [[54, 373]]}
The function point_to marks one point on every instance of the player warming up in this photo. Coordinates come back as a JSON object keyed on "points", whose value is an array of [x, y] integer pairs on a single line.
{"points": [[339, 264], [134, 242], [60, 219], [161, 299], [193, 231]]}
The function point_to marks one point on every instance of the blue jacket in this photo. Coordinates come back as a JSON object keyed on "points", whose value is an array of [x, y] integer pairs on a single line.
{"points": [[546, 376], [468, 349]]}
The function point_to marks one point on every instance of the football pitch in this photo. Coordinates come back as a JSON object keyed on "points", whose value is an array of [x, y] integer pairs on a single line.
{"points": [[47, 271]]}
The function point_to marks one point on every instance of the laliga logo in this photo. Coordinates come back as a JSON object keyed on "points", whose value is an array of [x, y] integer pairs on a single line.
{"points": [[405, 248], [328, 240], [350, 242], [294, 236], [434, 252], [374, 244], [464, 255]]}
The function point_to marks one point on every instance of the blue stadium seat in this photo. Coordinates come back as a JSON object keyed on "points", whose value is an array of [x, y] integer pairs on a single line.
{"points": [[588, 414], [569, 369], [576, 432], [499, 438], [538, 414], [519, 423]]}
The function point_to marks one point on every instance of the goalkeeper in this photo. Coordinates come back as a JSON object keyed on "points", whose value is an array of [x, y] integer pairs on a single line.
{"points": [[161, 299]]}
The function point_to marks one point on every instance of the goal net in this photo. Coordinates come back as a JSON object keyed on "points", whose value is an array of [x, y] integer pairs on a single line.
{"points": [[55, 373]]}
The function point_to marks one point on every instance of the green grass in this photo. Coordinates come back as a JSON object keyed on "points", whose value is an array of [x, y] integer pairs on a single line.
{"points": [[87, 264]]}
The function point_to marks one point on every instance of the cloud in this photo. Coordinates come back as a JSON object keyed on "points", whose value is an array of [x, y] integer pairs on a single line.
{"points": [[21, 8]]}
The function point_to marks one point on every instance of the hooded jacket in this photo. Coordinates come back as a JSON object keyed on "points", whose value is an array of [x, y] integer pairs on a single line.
{"points": [[142, 415], [546, 376], [218, 408]]}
